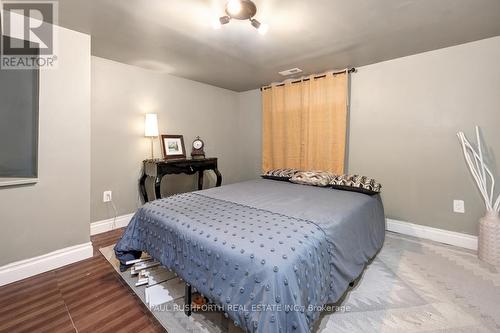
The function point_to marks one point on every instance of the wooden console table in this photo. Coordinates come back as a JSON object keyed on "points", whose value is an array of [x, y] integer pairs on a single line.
{"points": [[156, 169]]}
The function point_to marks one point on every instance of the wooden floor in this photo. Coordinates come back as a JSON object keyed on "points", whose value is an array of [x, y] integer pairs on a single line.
{"points": [[87, 296]]}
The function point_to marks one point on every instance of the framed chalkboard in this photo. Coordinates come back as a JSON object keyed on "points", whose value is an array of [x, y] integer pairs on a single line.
{"points": [[19, 111]]}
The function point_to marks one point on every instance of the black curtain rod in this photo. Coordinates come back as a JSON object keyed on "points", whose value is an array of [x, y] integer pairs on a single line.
{"points": [[350, 70]]}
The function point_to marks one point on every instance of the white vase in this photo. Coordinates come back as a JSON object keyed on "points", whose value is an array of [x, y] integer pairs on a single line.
{"points": [[489, 238]]}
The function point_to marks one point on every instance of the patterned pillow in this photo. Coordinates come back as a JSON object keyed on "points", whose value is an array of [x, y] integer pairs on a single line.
{"points": [[315, 178], [280, 174], [356, 183]]}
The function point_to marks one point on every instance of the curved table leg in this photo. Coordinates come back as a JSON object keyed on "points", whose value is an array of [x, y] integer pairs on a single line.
{"points": [[200, 180], [219, 177], [142, 188], [147, 181], [157, 182]]}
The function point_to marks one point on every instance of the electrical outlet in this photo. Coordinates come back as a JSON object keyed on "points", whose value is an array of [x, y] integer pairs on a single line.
{"points": [[107, 196], [459, 206]]}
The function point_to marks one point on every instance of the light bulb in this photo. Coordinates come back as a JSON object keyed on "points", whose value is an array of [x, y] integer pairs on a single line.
{"points": [[263, 29], [233, 7]]}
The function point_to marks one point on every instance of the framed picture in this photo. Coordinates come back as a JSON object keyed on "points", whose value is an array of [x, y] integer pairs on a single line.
{"points": [[173, 146]]}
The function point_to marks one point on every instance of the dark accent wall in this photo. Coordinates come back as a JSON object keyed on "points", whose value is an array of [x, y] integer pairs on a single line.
{"points": [[19, 123]]}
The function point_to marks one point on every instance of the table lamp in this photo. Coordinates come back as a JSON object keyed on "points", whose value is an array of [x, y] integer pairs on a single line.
{"points": [[151, 129]]}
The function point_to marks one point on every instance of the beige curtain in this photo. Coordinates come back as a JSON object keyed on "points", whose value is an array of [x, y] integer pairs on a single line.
{"points": [[304, 124]]}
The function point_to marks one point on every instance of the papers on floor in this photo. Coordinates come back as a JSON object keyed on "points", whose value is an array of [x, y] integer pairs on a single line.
{"points": [[135, 261], [157, 279], [155, 275], [143, 278], [157, 294], [159, 275], [143, 265]]}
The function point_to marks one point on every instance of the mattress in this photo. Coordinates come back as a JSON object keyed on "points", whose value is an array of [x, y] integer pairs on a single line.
{"points": [[270, 253]]}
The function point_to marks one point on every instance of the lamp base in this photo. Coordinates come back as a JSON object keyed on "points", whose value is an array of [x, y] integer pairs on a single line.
{"points": [[152, 149]]}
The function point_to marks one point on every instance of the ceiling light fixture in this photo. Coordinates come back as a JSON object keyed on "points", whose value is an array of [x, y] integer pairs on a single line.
{"points": [[261, 27], [216, 24], [233, 7], [241, 10]]}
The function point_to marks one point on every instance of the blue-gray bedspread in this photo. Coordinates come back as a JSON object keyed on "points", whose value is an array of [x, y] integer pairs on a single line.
{"points": [[272, 253]]}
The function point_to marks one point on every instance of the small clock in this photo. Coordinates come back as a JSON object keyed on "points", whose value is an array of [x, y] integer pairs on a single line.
{"points": [[198, 151]]}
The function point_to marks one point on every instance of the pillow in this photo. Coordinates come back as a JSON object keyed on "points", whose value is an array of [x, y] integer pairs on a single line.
{"points": [[356, 183], [280, 174], [314, 178]]}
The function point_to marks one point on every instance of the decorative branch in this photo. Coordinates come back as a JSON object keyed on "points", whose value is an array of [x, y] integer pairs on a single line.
{"points": [[480, 171], [480, 184], [497, 205]]}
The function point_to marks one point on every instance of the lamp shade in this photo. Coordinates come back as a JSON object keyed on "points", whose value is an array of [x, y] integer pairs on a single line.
{"points": [[151, 125]]}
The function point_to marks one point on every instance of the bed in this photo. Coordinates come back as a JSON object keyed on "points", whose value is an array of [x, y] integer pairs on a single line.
{"points": [[271, 253]]}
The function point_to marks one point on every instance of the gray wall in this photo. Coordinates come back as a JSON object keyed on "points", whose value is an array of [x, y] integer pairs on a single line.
{"points": [[404, 116], [250, 133], [122, 94], [55, 212]]}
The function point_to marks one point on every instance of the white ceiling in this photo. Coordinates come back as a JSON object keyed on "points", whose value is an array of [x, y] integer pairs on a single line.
{"points": [[176, 36]]}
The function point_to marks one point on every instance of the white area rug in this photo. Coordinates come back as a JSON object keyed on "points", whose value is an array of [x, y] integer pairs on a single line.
{"points": [[411, 286]]}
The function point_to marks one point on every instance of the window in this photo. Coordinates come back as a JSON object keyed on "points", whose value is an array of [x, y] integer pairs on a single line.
{"points": [[19, 99]]}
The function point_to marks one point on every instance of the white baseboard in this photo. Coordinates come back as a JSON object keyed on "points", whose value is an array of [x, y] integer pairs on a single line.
{"points": [[434, 234], [25, 268], [107, 225]]}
